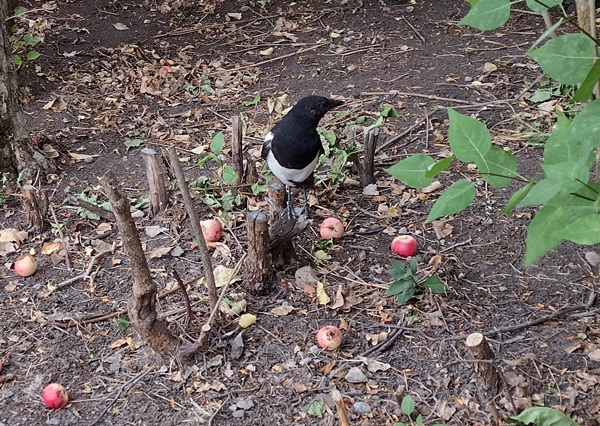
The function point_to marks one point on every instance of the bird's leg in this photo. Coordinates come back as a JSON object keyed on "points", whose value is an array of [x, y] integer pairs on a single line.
{"points": [[290, 205], [305, 210]]}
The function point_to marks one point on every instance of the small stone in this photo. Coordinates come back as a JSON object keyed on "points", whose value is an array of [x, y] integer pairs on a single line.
{"points": [[468, 79], [238, 414], [361, 407], [355, 375], [244, 9], [592, 258]]}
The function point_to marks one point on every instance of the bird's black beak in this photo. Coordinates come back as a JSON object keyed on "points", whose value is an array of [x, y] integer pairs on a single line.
{"points": [[326, 105]]}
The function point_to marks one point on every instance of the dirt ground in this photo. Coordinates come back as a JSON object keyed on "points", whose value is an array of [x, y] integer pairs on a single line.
{"points": [[115, 77]]}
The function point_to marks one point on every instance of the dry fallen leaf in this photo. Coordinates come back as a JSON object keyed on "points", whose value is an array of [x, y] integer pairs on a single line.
{"points": [[247, 320], [121, 27], [10, 235], [53, 247], [321, 294], [282, 311], [442, 229]]}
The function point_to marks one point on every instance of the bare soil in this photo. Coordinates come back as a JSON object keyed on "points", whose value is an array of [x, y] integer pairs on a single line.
{"points": [[98, 87]]}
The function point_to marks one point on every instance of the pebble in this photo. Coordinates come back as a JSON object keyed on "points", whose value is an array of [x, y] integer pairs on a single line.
{"points": [[238, 414], [355, 375], [361, 407], [468, 79]]}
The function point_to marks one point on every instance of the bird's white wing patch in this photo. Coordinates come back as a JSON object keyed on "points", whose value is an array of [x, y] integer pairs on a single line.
{"points": [[290, 177]]}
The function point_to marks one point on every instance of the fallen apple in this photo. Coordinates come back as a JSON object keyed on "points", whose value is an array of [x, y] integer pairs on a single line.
{"points": [[331, 227], [329, 337], [404, 245], [25, 265], [212, 230], [55, 396]]}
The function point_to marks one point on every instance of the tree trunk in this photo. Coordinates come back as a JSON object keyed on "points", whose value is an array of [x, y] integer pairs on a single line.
{"points": [[17, 150]]}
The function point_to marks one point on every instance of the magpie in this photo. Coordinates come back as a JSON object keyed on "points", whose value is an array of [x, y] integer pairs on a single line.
{"points": [[293, 146]]}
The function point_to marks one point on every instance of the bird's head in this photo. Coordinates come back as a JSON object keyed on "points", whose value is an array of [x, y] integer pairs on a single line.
{"points": [[316, 106]]}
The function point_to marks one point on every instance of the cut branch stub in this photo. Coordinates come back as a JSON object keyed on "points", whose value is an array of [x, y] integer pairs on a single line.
{"points": [[156, 183], [486, 370], [257, 271], [277, 199], [237, 156], [35, 208], [368, 167], [142, 303]]}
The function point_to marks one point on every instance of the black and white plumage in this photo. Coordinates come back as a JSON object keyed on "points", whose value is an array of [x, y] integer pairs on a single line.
{"points": [[293, 146]]}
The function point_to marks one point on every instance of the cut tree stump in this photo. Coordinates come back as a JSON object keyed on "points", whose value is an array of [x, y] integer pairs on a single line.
{"points": [[156, 183], [487, 371], [35, 207], [257, 269]]}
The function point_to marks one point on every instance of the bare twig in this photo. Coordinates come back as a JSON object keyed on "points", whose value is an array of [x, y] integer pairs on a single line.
{"points": [[125, 385], [188, 307], [195, 223], [88, 272], [65, 243]]}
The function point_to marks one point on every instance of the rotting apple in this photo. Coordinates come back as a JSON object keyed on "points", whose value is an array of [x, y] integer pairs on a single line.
{"points": [[25, 265], [331, 227], [329, 337], [212, 230], [404, 245], [55, 396]]}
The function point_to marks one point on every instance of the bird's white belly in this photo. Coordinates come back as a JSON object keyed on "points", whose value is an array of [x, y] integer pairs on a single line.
{"points": [[290, 177]]}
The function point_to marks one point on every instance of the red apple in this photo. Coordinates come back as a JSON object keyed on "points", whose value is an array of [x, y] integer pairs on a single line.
{"points": [[331, 227], [212, 230], [55, 396], [404, 245], [25, 265], [329, 337]]}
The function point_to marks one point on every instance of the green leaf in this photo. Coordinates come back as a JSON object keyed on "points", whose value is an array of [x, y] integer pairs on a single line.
{"points": [[408, 405], [216, 145], [206, 158], [584, 92], [495, 164], [469, 138], [258, 188], [400, 287], [546, 229], [455, 199], [575, 141], [388, 111], [542, 416], [487, 14], [132, 143], [399, 270], [316, 408], [541, 6], [414, 264], [122, 323], [31, 55], [229, 174], [436, 285], [17, 60], [20, 10], [567, 58], [585, 230], [439, 167], [30, 40], [517, 197], [253, 101], [412, 170]]}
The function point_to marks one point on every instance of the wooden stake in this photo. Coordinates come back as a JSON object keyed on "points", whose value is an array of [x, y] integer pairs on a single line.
{"points": [[341, 408], [156, 183], [35, 208], [237, 156], [257, 271], [368, 168]]}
